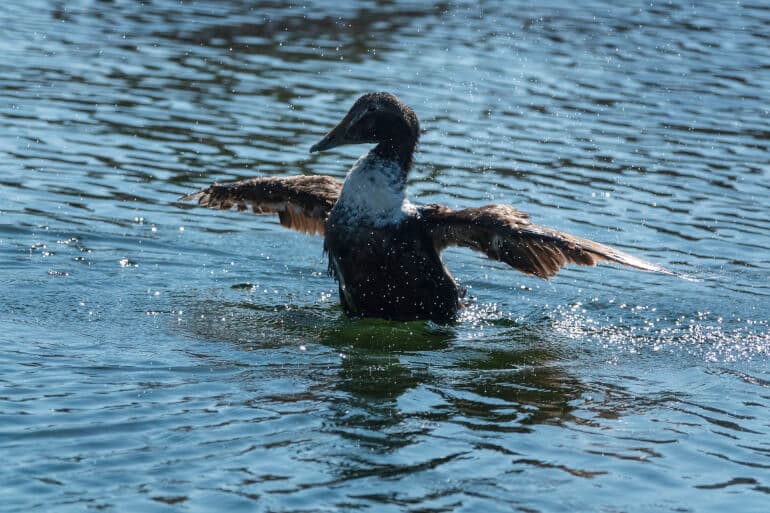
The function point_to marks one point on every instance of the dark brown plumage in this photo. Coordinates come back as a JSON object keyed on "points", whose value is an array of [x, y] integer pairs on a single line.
{"points": [[384, 251], [301, 202], [507, 235]]}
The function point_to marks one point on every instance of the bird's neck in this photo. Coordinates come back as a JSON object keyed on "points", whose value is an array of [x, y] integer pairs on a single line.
{"points": [[398, 147]]}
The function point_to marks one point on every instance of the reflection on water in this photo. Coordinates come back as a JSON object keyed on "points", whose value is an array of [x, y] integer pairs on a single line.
{"points": [[158, 356]]}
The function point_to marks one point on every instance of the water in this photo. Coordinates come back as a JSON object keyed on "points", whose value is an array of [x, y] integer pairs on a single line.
{"points": [[160, 357]]}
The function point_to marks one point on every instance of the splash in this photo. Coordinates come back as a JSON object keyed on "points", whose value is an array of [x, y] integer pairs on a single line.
{"points": [[640, 329]]}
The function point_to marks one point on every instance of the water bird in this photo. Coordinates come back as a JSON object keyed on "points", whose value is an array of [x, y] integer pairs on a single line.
{"points": [[383, 250]]}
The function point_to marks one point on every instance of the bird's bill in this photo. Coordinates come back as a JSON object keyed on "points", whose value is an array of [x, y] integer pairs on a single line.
{"points": [[331, 140], [338, 135]]}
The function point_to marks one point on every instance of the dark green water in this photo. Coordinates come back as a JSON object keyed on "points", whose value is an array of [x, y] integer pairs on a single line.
{"points": [[157, 357]]}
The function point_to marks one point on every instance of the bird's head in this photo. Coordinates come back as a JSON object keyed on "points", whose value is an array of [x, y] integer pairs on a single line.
{"points": [[379, 118]]}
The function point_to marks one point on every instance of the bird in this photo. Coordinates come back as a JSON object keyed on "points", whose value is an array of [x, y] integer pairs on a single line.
{"points": [[383, 250]]}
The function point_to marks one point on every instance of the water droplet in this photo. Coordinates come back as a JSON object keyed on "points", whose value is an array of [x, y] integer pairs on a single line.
{"points": [[125, 262]]}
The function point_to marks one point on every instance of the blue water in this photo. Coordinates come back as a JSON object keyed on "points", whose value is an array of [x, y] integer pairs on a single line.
{"points": [[160, 357]]}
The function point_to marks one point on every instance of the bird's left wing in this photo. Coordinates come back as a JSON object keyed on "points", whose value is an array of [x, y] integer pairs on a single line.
{"points": [[507, 235], [301, 202]]}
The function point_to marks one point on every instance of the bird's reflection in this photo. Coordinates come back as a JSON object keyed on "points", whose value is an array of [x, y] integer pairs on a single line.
{"points": [[510, 379], [397, 391], [511, 386]]}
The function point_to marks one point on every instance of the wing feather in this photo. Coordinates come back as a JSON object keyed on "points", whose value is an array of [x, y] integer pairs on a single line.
{"points": [[507, 235], [301, 202]]}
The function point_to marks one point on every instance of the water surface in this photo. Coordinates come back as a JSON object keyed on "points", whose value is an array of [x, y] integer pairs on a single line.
{"points": [[159, 357]]}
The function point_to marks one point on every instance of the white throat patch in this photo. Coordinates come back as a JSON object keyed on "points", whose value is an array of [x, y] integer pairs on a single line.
{"points": [[373, 194]]}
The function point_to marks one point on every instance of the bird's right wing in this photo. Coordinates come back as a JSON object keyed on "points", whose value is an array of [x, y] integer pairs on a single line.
{"points": [[301, 202], [507, 235]]}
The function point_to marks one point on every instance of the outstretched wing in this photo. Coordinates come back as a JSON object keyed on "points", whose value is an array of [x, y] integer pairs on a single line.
{"points": [[507, 235], [301, 202]]}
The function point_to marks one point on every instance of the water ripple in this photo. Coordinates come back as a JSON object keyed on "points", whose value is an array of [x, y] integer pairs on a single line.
{"points": [[161, 356]]}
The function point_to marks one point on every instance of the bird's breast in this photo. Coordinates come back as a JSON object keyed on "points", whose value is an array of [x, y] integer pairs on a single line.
{"points": [[374, 194]]}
